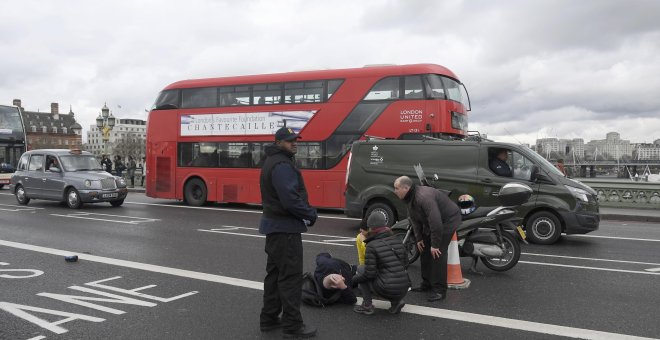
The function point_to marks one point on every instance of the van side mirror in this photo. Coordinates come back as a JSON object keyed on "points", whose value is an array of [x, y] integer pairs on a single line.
{"points": [[534, 174]]}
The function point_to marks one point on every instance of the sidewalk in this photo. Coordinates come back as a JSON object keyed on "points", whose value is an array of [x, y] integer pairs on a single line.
{"points": [[137, 188], [630, 214]]}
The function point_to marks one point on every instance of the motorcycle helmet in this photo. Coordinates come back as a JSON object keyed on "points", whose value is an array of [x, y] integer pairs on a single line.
{"points": [[466, 203]]}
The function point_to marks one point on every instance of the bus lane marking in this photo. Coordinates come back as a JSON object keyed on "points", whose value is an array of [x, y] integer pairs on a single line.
{"points": [[20, 310], [488, 320], [234, 230], [33, 272], [107, 217]]}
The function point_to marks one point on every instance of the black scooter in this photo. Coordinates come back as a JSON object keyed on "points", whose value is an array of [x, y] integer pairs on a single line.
{"points": [[483, 233]]}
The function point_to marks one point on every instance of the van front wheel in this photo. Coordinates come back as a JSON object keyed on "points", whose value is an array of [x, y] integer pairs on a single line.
{"points": [[543, 228], [383, 208]]}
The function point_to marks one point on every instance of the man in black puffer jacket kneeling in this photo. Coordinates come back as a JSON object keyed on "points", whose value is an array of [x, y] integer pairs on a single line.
{"points": [[384, 270]]}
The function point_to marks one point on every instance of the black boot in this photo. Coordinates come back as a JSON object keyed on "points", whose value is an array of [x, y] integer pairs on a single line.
{"points": [[303, 332], [437, 297]]}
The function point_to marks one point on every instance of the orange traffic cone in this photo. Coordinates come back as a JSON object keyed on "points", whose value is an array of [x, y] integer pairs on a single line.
{"points": [[455, 278]]}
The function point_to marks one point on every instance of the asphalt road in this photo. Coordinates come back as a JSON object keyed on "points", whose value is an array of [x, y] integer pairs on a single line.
{"points": [[156, 269]]}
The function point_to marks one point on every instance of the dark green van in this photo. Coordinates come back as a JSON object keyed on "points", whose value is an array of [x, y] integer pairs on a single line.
{"points": [[559, 204]]}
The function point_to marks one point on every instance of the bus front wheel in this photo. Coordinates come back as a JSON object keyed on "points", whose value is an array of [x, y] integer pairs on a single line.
{"points": [[195, 192]]}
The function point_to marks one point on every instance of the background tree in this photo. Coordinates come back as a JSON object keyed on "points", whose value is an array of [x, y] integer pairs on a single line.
{"points": [[131, 145]]}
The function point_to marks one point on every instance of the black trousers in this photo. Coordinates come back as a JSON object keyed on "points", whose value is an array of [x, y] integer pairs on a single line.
{"points": [[283, 282], [434, 271]]}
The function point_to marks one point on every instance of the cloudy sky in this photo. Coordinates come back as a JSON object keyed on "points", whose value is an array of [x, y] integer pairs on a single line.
{"points": [[533, 69]]}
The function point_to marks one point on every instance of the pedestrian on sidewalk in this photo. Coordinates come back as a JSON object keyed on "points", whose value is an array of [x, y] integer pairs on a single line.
{"points": [[107, 164], [144, 170], [286, 215], [119, 166], [131, 170]]}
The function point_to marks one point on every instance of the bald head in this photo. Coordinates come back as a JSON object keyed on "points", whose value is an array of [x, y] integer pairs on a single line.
{"points": [[402, 185]]}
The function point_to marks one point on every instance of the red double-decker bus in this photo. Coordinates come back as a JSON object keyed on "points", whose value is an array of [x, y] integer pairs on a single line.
{"points": [[205, 137]]}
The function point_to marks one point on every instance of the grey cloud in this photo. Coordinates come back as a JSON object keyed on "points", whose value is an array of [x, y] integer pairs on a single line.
{"points": [[525, 63]]}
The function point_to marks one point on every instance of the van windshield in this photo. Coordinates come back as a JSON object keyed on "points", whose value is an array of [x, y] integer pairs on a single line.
{"points": [[543, 163]]}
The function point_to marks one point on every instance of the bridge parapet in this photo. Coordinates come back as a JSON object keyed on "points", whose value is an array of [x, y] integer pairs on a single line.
{"points": [[625, 194]]}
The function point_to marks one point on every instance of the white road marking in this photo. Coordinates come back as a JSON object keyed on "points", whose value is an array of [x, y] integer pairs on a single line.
{"points": [[653, 270], [111, 215], [222, 231], [617, 238], [488, 320], [591, 268], [86, 216], [232, 210], [15, 208], [591, 259], [341, 240]]}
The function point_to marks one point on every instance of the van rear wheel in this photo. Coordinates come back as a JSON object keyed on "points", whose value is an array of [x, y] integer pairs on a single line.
{"points": [[543, 228], [384, 208]]}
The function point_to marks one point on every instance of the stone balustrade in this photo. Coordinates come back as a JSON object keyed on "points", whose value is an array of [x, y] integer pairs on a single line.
{"points": [[624, 193]]}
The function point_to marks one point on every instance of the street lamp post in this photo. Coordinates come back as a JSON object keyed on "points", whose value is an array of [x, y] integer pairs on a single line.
{"points": [[105, 122]]}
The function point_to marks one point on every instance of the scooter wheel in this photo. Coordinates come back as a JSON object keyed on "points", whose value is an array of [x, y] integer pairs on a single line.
{"points": [[509, 259]]}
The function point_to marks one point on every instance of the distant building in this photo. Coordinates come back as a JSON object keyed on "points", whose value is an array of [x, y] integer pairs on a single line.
{"points": [[647, 151], [612, 147], [51, 130], [560, 148], [127, 137], [575, 147], [547, 146]]}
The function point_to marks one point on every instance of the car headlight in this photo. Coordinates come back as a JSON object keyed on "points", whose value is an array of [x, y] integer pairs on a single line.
{"points": [[121, 181], [578, 193], [92, 184]]}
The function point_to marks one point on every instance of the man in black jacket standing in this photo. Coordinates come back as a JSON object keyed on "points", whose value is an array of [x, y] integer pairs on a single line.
{"points": [[435, 218], [286, 214]]}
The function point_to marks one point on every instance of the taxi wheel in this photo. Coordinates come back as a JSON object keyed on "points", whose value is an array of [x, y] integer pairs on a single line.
{"points": [[117, 203], [21, 197], [543, 228], [73, 199]]}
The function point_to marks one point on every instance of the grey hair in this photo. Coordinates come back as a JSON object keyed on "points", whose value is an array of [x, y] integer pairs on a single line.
{"points": [[404, 181]]}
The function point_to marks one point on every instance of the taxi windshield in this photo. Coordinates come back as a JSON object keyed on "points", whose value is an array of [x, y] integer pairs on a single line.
{"points": [[80, 163]]}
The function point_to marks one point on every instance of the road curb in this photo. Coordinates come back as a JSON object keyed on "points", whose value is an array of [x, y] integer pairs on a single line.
{"points": [[625, 217]]}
